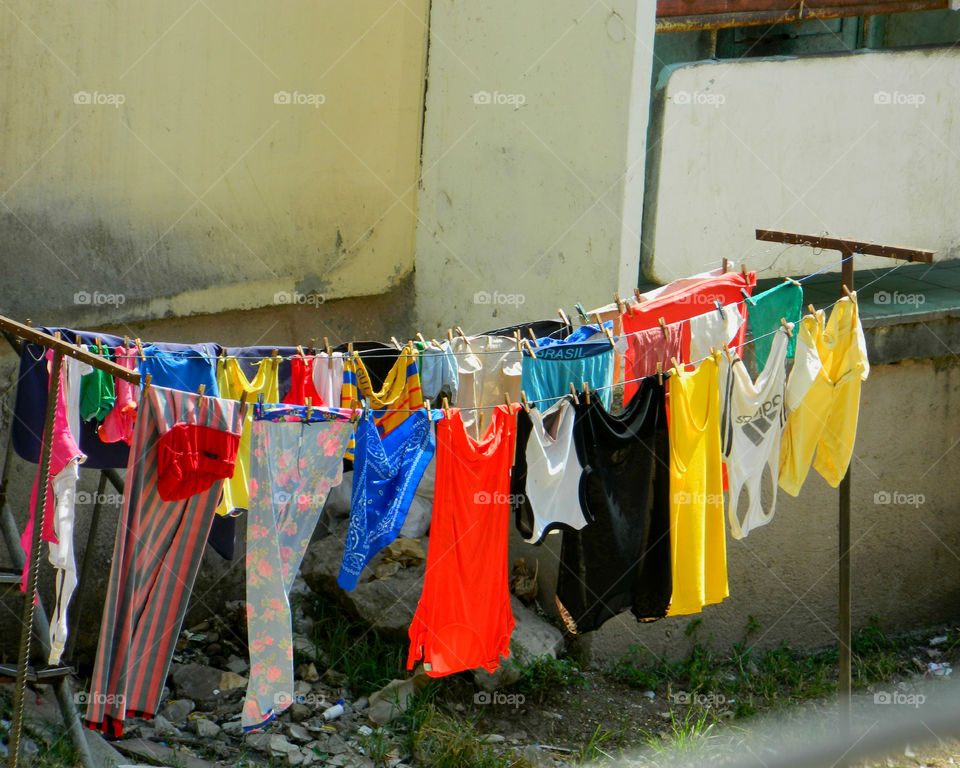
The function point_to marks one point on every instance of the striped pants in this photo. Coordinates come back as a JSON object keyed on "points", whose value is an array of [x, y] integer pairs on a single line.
{"points": [[156, 556]]}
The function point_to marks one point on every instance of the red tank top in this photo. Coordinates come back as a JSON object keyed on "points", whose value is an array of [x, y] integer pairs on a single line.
{"points": [[301, 383], [463, 620]]}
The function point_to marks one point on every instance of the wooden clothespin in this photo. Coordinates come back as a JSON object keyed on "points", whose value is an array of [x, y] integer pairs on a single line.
{"points": [[636, 295], [435, 343], [463, 336], [355, 411], [300, 350], [530, 349], [421, 339], [309, 403], [96, 343], [446, 408], [663, 327], [200, 390], [326, 348], [126, 343], [533, 337], [659, 372], [275, 354], [786, 327], [523, 400], [848, 293], [506, 400], [140, 349], [604, 329], [619, 303], [393, 340], [586, 393], [350, 348], [743, 271], [450, 336], [573, 393], [313, 347], [426, 404], [516, 335], [676, 365], [724, 264], [146, 384], [790, 280], [563, 316], [811, 309]]}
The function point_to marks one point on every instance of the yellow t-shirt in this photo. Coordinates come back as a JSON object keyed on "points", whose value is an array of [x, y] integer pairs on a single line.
{"points": [[698, 543], [232, 383], [823, 396]]}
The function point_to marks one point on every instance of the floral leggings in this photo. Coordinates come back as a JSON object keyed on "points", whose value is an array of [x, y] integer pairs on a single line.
{"points": [[296, 457]]}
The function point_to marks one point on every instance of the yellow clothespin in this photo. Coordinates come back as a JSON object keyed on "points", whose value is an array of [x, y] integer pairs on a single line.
{"points": [[573, 391], [530, 349], [533, 337], [201, 389]]}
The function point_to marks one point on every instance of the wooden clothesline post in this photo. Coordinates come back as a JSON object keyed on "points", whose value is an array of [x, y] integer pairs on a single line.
{"points": [[848, 248]]}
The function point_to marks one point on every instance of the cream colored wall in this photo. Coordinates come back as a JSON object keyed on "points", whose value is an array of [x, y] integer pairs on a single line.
{"points": [[191, 189], [533, 158]]}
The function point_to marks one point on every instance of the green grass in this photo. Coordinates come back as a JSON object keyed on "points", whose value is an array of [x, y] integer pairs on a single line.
{"points": [[747, 679], [547, 677], [369, 659]]}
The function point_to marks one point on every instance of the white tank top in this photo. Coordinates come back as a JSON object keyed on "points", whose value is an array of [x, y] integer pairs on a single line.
{"points": [[553, 470], [751, 424]]}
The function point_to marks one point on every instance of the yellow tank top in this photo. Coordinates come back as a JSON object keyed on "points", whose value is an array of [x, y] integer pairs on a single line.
{"points": [[232, 383], [698, 542], [823, 396]]}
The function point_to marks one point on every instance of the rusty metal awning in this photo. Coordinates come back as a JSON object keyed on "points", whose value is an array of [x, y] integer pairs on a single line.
{"points": [[691, 15]]}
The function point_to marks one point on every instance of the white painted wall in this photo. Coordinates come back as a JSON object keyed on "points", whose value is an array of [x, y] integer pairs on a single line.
{"points": [[865, 145], [532, 201]]}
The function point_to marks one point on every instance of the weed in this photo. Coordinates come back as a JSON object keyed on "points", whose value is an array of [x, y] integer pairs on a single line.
{"points": [[591, 751], [368, 659], [376, 746], [442, 742], [546, 678]]}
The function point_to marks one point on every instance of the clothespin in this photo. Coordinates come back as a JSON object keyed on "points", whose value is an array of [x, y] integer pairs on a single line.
{"points": [[463, 336], [126, 343], [790, 280], [586, 393], [604, 329], [243, 398], [275, 354], [848, 293], [676, 365], [96, 343], [563, 316], [523, 400], [659, 372], [354, 411], [313, 347], [663, 327], [582, 312], [516, 335], [618, 302], [309, 402], [506, 400], [350, 348], [300, 351], [446, 408], [533, 337], [200, 390], [326, 348], [573, 393], [393, 340], [743, 271], [435, 343], [530, 349], [786, 327], [811, 309], [426, 404], [747, 296], [636, 294], [146, 384], [140, 349], [723, 264], [421, 339], [719, 306], [450, 336]]}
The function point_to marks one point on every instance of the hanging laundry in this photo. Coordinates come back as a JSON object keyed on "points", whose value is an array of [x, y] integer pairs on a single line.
{"points": [[185, 368], [765, 311], [680, 284], [296, 458], [301, 384], [438, 372], [156, 556], [393, 402], [249, 359], [118, 424], [31, 403], [676, 305], [378, 359], [751, 424], [59, 502], [697, 533], [232, 383], [97, 394], [488, 367], [547, 377], [646, 349], [823, 396], [386, 473], [541, 328], [581, 334], [621, 560], [328, 377], [463, 620], [716, 328], [545, 480]]}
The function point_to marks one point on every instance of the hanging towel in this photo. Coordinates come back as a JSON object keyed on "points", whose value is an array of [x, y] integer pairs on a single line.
{"points": [[765, 311]]}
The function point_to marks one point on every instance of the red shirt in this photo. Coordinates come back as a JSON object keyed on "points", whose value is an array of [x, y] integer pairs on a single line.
{"points": [[463, 620]]}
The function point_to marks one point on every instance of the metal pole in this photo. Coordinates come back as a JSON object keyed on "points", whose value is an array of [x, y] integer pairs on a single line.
{"points": [[26, 625], [843, 587], [74, 609]]}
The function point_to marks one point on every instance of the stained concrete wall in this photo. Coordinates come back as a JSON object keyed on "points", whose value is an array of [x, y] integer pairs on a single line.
{"points": [[171, 158], [533, 158]]}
